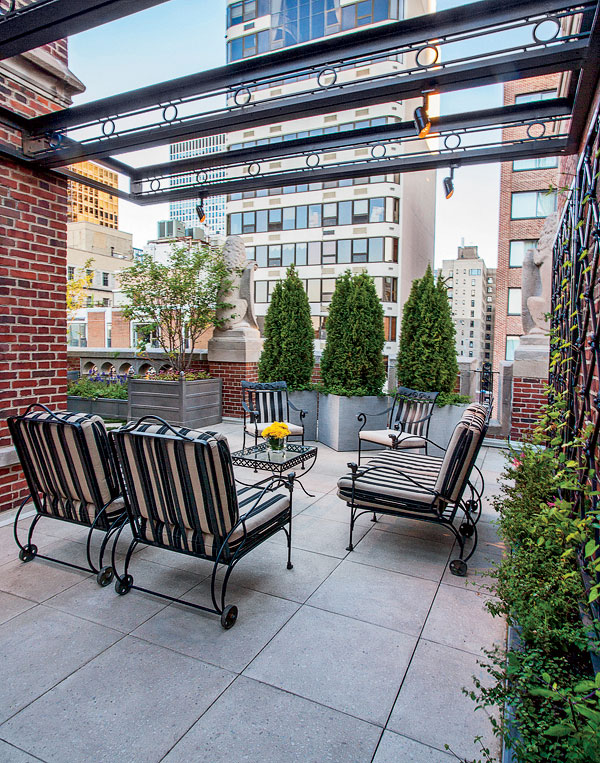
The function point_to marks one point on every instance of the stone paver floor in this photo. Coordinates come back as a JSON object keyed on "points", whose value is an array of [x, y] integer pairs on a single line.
{"points": [[349, 657]]}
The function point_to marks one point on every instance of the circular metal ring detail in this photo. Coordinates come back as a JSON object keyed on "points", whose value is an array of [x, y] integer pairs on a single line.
{"points": [[452, 141], [201, 177], [254, 169], [536, 124], [553, 27], [378, 151], [169, 113], [108, 127], [422, 50], [242, 96], [323, 74], [55, 139], [155, 185], [313, 160]]}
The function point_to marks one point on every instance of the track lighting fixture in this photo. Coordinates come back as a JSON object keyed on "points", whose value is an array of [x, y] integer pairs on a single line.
{"points": [[421, 117], [449, 184], [200, 209]]}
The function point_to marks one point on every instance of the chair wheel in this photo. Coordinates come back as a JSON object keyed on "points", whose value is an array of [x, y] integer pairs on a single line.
{"points": [[467, 530], [458, 568], [229, 616], [471, 506], [105, 576], [123, 585], [28, 553]]}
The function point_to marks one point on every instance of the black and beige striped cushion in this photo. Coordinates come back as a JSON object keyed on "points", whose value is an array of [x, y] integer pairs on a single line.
{"points": [[384, 437], [66, 457], [182, 491], [461, 452]]}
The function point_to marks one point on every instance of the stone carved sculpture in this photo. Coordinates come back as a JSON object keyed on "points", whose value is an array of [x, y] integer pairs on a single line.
{"points": [[241, 291], [536, 282]]}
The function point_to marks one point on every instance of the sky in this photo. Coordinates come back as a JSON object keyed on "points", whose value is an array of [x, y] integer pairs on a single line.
{"points": [[182, 37]]}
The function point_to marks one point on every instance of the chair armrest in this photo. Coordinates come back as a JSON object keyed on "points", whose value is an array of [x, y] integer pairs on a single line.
{"points": [[363, 416], [253, 414], [301, 411]]}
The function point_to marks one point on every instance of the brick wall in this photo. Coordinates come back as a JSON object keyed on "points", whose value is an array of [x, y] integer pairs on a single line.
{"points": [[233, 374], [528, 397], [96, 336], [33, 233]]}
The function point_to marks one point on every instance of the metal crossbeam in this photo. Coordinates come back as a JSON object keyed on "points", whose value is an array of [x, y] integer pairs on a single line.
{"points": [[45, 21]]}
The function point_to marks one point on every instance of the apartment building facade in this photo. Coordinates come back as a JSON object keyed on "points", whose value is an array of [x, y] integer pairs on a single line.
{"points": [[472, 294], [89, 204], [384, 224]]}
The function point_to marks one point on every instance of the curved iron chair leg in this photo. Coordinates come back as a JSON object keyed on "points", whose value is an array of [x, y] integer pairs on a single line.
{"points": [[350, 546], [89, 540], [27, 552], [111, 531]]}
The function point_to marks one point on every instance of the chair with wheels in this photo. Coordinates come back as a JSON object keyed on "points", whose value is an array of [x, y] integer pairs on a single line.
{"points": [[71, 476], [180, 495], [408, 422], [263, 404], [422, 487]]}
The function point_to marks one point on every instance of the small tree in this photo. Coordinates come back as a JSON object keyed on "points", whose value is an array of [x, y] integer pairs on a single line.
{"points": [[77, 289], [352, 362], [288, 352], [179, 299], [427, 354]]}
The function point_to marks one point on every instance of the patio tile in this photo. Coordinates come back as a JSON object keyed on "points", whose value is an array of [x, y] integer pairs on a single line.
{"points": [[320, 535], [39, 579], [432, 689], [173, 581], [402, 553], [415, 529], [275, 727], [265, 570], [44, 646], [394, 748], [333, 508], [378, 596], [201, 568], [131, 703], [459, 618], [199, 634], [346, 664], [10, 754], [10, 606]]}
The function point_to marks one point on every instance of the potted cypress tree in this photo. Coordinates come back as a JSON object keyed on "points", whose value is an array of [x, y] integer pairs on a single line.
{"points": [[352, 367], [177, 300], [288, 351], [427, 354]]}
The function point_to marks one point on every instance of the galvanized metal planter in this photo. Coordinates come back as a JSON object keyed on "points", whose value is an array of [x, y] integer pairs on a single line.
{"points": [[193, 404], [338, 425], [306, 400], [107, 407]]}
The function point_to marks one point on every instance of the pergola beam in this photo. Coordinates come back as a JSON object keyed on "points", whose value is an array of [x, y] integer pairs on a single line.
{"points": [[44, 21]]}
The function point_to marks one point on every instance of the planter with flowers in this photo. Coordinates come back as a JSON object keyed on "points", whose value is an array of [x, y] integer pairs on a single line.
{"points": [[178, 301], [276, 435]]}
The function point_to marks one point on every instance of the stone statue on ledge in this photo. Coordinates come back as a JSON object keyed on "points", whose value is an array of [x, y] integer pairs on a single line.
{"points": [[238, 338]]}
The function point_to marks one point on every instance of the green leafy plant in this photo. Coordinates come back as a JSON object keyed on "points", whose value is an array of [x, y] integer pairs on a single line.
{"points": [[92, 389], [427, 354], [177, 300], [288, 353], [175, 376], [352, 362]]}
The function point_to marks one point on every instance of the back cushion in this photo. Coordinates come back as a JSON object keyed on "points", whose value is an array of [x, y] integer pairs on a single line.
{"points": [[67, 456], [185, 483], [462, 449]]}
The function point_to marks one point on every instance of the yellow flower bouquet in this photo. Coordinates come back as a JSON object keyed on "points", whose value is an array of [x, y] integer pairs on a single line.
{"points": [[275, 435]]}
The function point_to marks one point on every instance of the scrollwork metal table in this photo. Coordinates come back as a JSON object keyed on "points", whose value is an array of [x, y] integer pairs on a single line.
{"points": [[259, 457]]}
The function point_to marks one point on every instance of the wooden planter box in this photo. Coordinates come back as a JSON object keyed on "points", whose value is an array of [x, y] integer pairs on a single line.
{"points": [[193, 404], [338, 427], [306, 400], [442, 425], [108, 408]]}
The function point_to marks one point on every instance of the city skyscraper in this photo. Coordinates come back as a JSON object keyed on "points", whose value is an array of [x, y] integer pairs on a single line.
{"points": [[214, 206], [382, 223], [89, 204]]}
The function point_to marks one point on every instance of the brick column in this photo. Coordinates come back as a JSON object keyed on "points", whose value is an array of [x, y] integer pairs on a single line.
{"points": [[529, 396], [233, 374]]}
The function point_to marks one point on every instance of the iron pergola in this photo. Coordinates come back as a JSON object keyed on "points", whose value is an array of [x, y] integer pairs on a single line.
{"points": [[508, 41]]}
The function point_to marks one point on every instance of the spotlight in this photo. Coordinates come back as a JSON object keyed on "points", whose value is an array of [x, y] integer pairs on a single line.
{"points": [[421, 117], [200, 210], [449, 184]]}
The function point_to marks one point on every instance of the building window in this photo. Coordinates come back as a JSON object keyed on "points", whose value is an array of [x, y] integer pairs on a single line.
{"points": [[77, 335], [530, 204], [475, 272], [89, 302], [517, 251], [514, 302], [540, 95], [105, 278], [389, 289], [389, 327], [489, 290], [540, 163], [511, 344], [70, 272], [109, 334]]}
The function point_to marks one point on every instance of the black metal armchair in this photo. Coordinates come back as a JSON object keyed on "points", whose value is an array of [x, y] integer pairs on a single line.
{"points": [[71, 476], [180, 495], [408, 422], [265, 403], [423, 487]]}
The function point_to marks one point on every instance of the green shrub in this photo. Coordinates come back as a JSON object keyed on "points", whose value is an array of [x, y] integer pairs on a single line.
{"points": [[352, 362], [288, 352], [91, 390]]}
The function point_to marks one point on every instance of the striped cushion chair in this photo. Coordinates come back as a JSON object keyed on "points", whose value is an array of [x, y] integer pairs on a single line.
{"points": [[407, 425], [71, 476], [265, 403], [180, 494], [422, 487]]}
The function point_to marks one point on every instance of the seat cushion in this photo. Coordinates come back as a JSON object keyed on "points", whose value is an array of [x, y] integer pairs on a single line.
{"points": [[295, 429], [384, 437]]}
